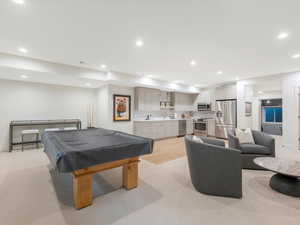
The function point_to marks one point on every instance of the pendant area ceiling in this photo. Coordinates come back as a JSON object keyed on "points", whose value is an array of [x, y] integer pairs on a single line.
{"points": [[236, 37]]}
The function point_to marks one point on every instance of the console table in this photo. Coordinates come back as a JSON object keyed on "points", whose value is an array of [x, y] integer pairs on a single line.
{"points": [[34, 123]]}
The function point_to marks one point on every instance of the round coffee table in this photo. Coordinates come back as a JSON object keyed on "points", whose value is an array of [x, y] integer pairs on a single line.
{"points": [[286, 180]]}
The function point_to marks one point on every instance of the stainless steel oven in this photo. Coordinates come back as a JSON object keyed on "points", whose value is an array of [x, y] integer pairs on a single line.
{"points": [[200, 127]]}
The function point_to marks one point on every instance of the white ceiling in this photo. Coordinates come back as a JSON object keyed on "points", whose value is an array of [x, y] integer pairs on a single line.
{"points": [[237, 37]]}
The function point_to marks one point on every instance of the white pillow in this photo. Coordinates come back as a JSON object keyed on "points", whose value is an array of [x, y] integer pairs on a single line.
{"points": [[245, 137], [197, 139]]}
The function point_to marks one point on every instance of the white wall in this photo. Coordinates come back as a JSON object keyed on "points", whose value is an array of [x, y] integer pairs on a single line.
{"points": [[228, 91], [32, 101], [290, 103], [105, 108], [102, 112], [244, 94]]}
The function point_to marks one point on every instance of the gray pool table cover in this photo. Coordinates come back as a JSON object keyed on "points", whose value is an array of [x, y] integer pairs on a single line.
{"points": [[72, 150]]}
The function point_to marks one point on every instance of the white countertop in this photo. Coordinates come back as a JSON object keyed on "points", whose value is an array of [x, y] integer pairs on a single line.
{"points": [[159, 119]]}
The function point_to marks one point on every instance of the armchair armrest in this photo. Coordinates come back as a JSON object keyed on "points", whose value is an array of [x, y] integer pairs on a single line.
{"points": [[213, 141], [266, 140]]}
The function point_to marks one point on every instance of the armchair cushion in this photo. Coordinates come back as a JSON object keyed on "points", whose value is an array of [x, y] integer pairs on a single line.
{"points": [[255, 149], [244, 136], [197, 139]]}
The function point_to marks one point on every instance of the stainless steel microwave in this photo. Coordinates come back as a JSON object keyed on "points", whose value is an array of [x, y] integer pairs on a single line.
{"points": [[204, 107]]}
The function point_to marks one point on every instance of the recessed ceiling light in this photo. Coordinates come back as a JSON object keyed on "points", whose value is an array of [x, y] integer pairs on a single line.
{"points": [[24, 76], [282, 36], [193, 63], [296, 56], [139, 43], [220, 72], [260, 92], [23, 50], [151, 76], [20, 2], [103, 66], [173, 86], [178, 82], [88, 84]]}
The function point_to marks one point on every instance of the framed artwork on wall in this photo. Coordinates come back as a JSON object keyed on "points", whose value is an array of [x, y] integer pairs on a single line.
{"points": [[122, 107], [248, 108]]}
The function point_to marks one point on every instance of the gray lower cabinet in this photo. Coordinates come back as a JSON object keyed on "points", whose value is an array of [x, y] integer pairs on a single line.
{"points": [[189, 127], [211, 127], [156, 129]]}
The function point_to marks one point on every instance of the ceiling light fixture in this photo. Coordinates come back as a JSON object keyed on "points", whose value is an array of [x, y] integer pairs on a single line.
{"points": [[151, 76], [173, 86], [193, 63], [103, 66], [19, 2], [139, 43], [296, 56], [282, 36], [88, 84], [260, 92], [178, 82], [23, 50], [220, 72], [24, 76]]}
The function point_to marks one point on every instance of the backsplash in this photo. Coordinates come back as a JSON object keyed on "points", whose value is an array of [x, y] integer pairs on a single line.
{"points": [[201, 115], [169, 113]]}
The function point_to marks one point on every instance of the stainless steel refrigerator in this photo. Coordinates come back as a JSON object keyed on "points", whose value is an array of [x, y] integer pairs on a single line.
{"points": [[225, 117]]}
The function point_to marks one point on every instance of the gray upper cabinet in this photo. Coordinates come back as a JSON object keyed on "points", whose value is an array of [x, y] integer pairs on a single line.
{"points": [[163, 96], [185, 102], [147, 99]]}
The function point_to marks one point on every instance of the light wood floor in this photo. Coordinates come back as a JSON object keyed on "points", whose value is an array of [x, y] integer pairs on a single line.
{"points": [[167, 150]]}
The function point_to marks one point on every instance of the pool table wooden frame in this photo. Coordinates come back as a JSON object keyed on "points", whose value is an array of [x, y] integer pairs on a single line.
{"points": [[83, 179]]}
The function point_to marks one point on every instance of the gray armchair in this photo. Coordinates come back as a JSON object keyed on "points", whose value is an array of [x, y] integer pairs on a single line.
{"points": [[264, 146], [214, 169]]}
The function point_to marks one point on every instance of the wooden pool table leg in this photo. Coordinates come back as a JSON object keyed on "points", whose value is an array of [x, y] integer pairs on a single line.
{"points": [[83, 179], [130, 175], [83, 190]]}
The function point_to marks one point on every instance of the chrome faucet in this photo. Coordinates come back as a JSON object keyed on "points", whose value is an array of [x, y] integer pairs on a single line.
{"points": [[148, 116]]}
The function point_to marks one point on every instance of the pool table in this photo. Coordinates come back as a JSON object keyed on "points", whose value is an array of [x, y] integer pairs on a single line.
{"points": [[86, 152]]}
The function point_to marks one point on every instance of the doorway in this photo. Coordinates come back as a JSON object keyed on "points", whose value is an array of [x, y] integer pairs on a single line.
{"points": [[271, 116]]}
